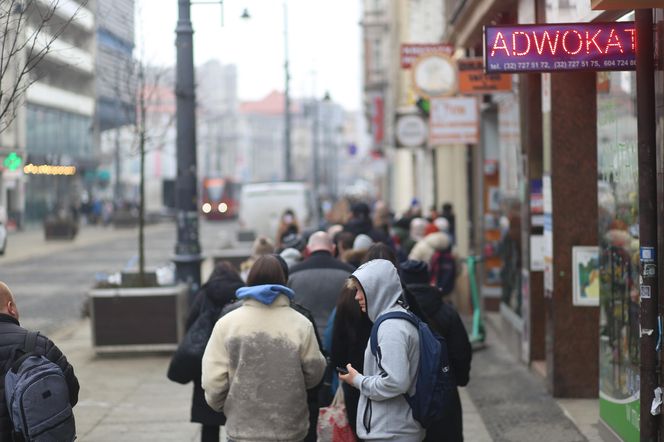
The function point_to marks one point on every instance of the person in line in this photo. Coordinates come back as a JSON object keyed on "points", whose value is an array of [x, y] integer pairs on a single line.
{"points": [[350, 335], [448, 214], [213, 296], [261, 359], [261, 246], [12, 338], [317, 281], [288, 227], [443, 318], [383, 412]]}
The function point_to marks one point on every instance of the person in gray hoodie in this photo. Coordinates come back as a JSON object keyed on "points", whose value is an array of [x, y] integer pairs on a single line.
{"points": [[383, 412]]}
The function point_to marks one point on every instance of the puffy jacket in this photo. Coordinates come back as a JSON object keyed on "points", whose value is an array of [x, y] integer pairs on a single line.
{"points": [[257, 366], [12, 337]]}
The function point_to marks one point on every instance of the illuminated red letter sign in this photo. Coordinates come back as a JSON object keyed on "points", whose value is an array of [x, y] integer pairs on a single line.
{"points": [[560, 47]]}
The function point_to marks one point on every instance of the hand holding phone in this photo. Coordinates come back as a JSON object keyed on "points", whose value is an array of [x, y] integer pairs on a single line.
{"points": [[342, 370]]}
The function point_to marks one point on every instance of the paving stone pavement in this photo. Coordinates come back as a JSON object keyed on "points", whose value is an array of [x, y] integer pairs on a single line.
{"points": [[513, 401]]}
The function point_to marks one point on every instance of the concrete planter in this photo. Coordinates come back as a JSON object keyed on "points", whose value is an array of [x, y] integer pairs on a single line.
{"points": [[138, 319], [60, 229]]}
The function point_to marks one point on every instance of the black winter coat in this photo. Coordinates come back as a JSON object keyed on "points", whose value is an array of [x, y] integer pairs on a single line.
{"points": [[349, 340], [219, 291], [444, 319], [12, 337]]}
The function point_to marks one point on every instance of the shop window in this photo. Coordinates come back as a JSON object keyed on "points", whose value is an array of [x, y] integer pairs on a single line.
{"points": [[618, 218]]}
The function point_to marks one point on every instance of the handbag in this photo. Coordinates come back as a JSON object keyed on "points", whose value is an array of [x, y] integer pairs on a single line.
{"points": [[333, 423], [185, 365]]}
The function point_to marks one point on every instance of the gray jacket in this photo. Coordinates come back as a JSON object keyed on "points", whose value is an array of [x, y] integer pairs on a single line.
{"points": [[383, 412], [317, 283]]}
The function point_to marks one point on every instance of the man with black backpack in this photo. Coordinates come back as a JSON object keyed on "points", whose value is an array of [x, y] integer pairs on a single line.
{"points": [[389, 380], [57, 392]]}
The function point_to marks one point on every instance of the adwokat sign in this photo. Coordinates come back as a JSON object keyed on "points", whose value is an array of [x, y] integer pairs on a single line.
{"points": [[560, 47]]}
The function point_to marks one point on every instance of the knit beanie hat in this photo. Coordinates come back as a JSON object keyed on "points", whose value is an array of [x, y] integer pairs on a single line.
{"points": [[414, 272]]}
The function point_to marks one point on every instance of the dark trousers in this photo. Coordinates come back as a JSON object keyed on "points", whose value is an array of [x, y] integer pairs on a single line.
{"points": [[210, 433]]}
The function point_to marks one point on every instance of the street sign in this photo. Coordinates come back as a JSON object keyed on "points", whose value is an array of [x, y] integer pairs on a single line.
{"points": [[411, 51], [411, 130], [473, 80], [560, 47], [454, 120], [435, 75]]}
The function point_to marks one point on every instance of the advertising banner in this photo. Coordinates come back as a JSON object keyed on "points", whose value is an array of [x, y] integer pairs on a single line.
{"points": [[454, 120], [412, 51], [560, 47], [473, 80]]}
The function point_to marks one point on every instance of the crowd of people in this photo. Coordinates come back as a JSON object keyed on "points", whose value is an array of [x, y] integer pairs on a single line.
{"points": [[295, 323], [270, 344]]}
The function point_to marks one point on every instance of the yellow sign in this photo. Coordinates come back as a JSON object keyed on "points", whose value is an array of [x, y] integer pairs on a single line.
{"points": [[47, 169]]}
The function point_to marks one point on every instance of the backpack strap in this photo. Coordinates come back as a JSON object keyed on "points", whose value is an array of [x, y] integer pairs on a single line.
{"points": [[30, 341], [391, 315], [28, 350]]}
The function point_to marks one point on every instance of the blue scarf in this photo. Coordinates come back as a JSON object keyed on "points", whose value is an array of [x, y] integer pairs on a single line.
{"points": [[264, 293]]}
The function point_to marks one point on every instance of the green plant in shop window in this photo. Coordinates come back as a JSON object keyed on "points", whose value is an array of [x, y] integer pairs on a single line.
{"points": [[13, 161]]}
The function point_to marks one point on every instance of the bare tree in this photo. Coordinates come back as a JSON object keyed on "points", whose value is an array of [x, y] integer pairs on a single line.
{"points": [[28, 31], [145, 83]]}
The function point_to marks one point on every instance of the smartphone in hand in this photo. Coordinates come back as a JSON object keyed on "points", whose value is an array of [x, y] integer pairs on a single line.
{"points": [[342, 370]]}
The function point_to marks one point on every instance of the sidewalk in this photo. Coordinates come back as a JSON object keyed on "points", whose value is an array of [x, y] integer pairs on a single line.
{"points": [[125, 397]]}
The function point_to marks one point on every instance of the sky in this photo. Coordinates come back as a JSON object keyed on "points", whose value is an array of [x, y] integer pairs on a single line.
{"points": [[323, 36]]}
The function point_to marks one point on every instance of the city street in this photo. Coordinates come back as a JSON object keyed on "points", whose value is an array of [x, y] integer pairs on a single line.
{"points": [[50, 279], [129, 397]]}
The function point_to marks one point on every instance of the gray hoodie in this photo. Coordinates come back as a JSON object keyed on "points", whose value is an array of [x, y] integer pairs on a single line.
{"points": [[383, 413]]}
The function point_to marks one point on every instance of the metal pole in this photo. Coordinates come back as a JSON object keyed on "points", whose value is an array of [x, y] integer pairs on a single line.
{"points": [[316, 177], [645, 92], [287, 110], [187, 250]]}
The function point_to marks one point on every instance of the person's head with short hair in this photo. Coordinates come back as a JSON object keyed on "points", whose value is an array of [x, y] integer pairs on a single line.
{"points": [[344, 241], [320, 241], [7, 304], [266, 270], [381, 251]]}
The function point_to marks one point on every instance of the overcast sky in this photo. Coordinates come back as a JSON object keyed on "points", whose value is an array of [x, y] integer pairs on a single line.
{"points": [[324, 43]]}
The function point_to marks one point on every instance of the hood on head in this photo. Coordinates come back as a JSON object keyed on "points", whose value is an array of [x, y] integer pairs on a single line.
{"points": [[381, 285]]}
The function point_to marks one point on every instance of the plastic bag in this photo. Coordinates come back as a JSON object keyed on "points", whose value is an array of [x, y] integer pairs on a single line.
{"points": [[333, 423]]}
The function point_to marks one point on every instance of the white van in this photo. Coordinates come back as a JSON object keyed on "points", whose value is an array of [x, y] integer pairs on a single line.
{"points": [[262, 204]]}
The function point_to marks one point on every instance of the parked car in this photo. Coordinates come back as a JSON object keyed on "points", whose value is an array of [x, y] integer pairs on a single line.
{"points": [[3, 238]]}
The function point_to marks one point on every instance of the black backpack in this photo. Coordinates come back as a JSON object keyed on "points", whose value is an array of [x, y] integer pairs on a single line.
{"points": [[37, 397], [435, 384]]}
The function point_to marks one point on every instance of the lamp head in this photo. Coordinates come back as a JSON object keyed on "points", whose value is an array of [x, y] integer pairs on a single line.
{"points": [[245, 14]]}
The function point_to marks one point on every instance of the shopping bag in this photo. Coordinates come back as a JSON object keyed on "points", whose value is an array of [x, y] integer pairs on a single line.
{"points": [[333, 423]]}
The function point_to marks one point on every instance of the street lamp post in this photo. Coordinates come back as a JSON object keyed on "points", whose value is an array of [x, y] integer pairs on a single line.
{"points": [[187, 250], [287, 110]]}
